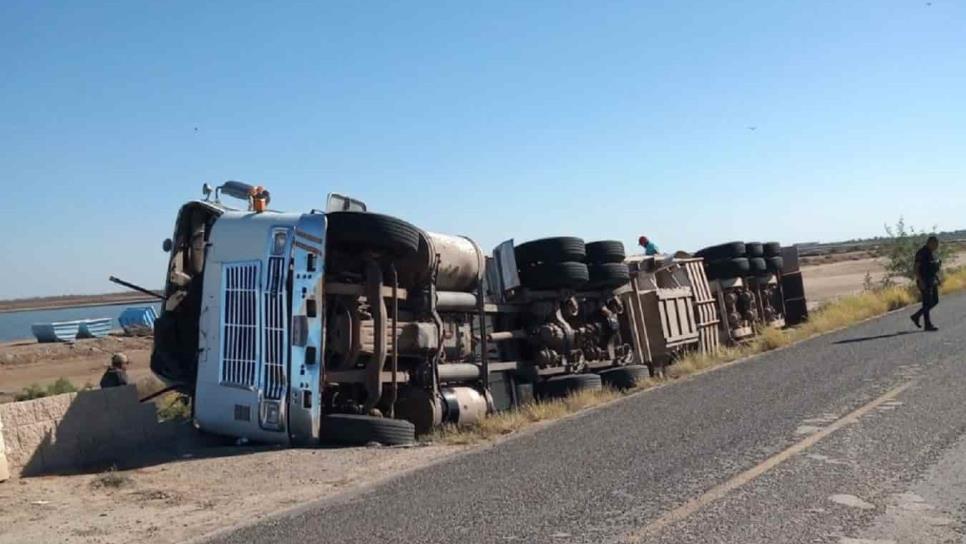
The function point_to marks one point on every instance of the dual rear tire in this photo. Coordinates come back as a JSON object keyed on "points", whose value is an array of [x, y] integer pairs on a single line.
{"points": [[552, 263], [741, 259], [562, 386], [624, 377], [566, 262], [358, 430]]}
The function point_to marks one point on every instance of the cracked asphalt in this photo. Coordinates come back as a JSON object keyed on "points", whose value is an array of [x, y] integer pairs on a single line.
{"points": [[895, 475]]}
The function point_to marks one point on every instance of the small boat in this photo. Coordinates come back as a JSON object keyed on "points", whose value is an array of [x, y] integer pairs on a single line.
{"points": [[138, 321], [94, 328], [56, 331]]}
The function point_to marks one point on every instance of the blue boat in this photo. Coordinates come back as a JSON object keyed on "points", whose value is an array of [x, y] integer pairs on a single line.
{"points": [[94, 328], [56, 331], [138, 320]]}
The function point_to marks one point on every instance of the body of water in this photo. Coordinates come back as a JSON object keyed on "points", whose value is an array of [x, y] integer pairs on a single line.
{"points": [[16, 325]]}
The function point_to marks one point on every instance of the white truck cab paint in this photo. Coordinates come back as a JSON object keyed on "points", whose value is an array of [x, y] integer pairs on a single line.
{"points": [[259, 324]]}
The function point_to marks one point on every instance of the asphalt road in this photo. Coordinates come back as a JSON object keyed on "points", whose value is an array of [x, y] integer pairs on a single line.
{"points": [[764, 451]]}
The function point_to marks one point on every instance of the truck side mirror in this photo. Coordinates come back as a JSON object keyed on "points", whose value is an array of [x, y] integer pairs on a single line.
{"points": [[166, 245]]}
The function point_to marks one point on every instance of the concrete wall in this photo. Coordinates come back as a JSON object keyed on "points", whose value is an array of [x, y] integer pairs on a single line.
{"points": [[73, 431], [4, 468]]}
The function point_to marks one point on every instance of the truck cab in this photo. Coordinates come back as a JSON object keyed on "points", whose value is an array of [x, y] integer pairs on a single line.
{"points": [[241, 325]]}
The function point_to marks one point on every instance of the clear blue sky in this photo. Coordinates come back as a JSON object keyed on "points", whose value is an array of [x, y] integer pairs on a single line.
{"points": [[491, 119]]}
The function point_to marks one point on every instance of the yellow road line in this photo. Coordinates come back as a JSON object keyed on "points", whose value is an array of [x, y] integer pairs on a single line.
{"points": [[721, 490]]}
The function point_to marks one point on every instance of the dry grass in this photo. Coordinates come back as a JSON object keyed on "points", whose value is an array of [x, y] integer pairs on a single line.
{"points": [[509, 421], [171, 406], [840, 313], [112, 479], [955, 281]]}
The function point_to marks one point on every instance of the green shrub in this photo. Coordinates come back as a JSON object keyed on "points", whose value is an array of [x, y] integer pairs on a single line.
{"points": [[36, 391], [173, 407], [61, 386], [32, 391], [899, 250]]}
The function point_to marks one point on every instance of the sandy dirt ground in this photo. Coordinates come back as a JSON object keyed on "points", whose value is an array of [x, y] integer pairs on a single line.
{"points": [[186, 499], [825, 282], [23, 363]]}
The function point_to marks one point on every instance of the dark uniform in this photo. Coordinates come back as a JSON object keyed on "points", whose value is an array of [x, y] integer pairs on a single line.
{"points": [[114, 377], [927, 265]]}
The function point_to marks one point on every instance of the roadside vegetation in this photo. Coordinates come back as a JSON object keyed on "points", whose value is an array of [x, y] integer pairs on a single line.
{"points": [[835, 315], [899, 249], [171, 406], [111, 479], [36, 391]]}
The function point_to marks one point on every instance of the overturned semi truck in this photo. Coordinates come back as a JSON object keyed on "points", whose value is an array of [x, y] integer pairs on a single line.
{"points": [[352, 326]]}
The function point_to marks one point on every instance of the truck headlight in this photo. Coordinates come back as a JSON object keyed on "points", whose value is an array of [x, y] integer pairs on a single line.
{"points": [[279, 241], [271, 415]]}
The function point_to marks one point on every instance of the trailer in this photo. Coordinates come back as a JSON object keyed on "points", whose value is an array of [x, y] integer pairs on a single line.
{"points": [[350, 326], [746, 282], [353, 326]]}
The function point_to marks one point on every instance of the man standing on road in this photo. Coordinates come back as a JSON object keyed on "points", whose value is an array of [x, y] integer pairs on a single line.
{"points": [[927, 279]]}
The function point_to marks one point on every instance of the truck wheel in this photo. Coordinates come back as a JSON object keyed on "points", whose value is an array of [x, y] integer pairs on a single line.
{"points": [[608, 275], [775, 264], [554, 275], [605, 251], [728, 268], [561, 386], [624, 377], [754, 249], [772, 249], [353, 230], [356, 430], [758, 266], [550, 250], [731, 250]]}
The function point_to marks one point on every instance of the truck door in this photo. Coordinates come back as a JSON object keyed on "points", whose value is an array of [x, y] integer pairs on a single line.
{"points": [[307, 330]]}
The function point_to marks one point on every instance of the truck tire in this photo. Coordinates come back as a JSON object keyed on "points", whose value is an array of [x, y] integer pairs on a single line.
{"points": [[624, 377], [561, 386], [566, 275], [728, 268], [354, 230], [550, 250], [605, 251], [772, 249], [608, 275], [758, 266], [356, 430], [754, 249], [775, 264], [731, 250]]}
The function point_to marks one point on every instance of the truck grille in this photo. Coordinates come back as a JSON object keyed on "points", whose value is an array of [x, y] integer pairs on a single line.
{"points": [[240, 324], [273, 343]]}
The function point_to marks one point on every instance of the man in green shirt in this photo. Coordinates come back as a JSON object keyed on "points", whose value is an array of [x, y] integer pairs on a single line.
{"points": [[649, 247]]}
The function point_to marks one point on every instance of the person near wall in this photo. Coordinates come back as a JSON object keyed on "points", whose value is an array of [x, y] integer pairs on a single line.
{"points": [[649, 247], [116, 375], [927, 269]]}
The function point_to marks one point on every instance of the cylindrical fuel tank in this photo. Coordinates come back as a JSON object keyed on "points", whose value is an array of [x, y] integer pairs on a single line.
{"points": [[461, 262], [463, 405], [453, 301], [458, 372]]}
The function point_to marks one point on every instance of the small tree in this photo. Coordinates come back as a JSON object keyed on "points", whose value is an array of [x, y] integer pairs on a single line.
{"points": [[899, 250]]}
